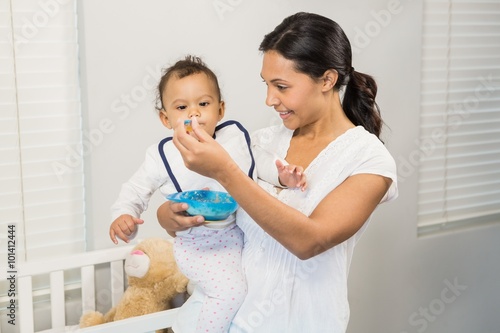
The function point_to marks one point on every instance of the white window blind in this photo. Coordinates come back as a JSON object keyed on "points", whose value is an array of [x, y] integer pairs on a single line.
{"points": [[459, 173], [41, 165]]}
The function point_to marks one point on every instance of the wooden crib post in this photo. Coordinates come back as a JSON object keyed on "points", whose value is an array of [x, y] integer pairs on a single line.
{"points": [[117, 281], [88, 288], [57, 306], [26, 324]]}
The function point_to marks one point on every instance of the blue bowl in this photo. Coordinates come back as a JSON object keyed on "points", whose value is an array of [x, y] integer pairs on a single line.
{"points": [[212, 205]]}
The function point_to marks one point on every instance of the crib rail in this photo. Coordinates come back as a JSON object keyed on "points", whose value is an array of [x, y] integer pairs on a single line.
{"points": [[86, 263], [146, 323], [55, 268]]}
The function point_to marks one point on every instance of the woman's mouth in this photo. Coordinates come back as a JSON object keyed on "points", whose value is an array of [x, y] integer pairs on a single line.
{"points": [[284, 114]]}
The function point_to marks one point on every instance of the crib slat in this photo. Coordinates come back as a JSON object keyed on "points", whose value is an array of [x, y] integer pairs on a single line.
{"points": [[117, 282], [88, 288], [26, 324], [57, 308]]}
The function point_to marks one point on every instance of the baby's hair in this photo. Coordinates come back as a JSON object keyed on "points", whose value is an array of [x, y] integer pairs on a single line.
{"points": [[316, 44], [188, 66]]}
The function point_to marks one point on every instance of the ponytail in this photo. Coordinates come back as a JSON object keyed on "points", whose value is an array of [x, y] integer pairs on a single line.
{"points": [[359, 102]]}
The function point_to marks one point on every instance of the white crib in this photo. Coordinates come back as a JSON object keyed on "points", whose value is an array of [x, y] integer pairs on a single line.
{"points": [[111, 262]]}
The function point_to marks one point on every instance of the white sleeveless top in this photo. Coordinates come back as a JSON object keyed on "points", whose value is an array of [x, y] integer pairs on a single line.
{"points": [[286, 294]]}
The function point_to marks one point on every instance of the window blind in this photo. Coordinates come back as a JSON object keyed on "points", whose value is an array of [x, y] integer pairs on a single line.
{"points": [[459, 173], [41, 168]]}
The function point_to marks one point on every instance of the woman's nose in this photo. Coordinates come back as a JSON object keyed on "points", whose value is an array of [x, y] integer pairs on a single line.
{"points": [[271, 100]]}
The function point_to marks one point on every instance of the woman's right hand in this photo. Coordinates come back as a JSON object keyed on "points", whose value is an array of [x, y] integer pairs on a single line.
{"points": [[201, 153], [172, 217]]}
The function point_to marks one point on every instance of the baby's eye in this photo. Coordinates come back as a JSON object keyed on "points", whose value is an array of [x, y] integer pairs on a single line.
{"points": [[204, 103], [181, 107]]}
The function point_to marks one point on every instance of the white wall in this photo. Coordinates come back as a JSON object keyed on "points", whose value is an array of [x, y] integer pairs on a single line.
{"points": [[398, 283]]}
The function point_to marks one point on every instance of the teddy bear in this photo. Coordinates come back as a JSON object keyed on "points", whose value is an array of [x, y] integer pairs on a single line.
{"points": [[153, 281]]}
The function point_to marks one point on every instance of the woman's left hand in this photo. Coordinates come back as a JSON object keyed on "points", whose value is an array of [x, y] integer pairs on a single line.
{"points": [[200, 152]]}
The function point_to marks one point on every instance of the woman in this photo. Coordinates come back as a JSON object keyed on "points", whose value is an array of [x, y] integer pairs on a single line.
{"points": [[299, 244]]}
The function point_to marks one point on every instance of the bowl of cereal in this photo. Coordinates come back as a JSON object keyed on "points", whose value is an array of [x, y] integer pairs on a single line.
{"points": [[212, 205]]}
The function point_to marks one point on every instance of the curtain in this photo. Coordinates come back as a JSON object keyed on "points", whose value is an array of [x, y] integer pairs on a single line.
{"points": [[459, 155], [41, 166]]}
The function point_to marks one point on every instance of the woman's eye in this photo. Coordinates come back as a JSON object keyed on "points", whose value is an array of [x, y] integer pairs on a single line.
{"points": [[280, 87]]}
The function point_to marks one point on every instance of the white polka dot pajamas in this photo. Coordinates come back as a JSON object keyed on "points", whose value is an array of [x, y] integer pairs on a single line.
{"points": [[212, 259]]}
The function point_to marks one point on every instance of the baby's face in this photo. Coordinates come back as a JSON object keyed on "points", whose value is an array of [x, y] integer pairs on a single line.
{"points": [[192, 96]]}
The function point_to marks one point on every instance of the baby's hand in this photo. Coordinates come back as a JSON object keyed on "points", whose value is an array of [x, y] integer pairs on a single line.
{"points": [[124, 226], [291, 175]]}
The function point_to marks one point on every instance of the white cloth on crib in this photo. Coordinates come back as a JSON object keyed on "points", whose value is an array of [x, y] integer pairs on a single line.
{"points": [[186, 321]]}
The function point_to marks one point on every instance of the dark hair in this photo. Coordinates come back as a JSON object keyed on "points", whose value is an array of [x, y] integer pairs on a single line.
{"points": [[188, 66], [316, 44]]}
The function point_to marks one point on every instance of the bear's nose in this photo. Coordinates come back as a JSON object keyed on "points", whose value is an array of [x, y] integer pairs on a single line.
{"points": [[137, 252]]}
